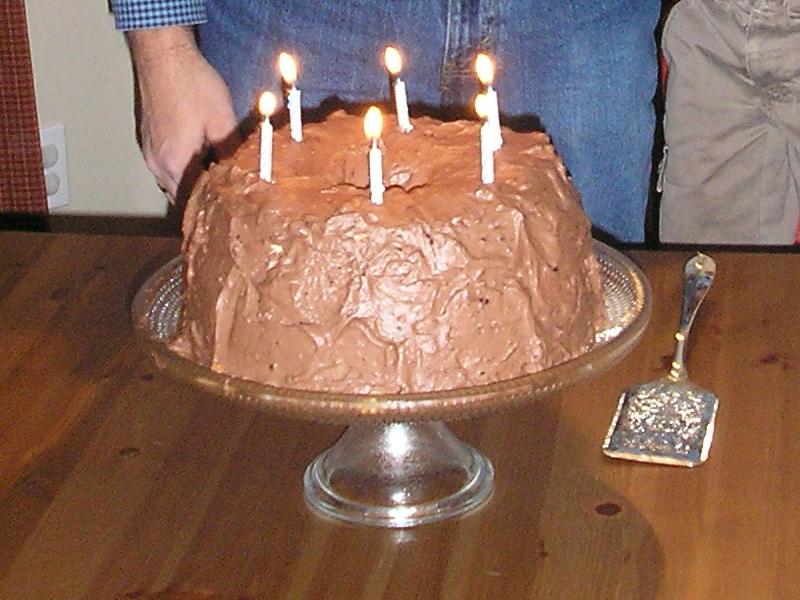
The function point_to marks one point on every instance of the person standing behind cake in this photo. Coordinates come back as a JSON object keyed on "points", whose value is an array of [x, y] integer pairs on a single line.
{"points": [[585, 68], [731, 166]]}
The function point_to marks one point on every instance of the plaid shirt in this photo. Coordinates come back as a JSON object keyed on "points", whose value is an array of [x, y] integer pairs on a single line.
{"points": [[138, 14]]}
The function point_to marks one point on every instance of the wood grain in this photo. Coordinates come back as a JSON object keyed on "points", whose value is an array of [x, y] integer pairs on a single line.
{"points": [[118, 482]]}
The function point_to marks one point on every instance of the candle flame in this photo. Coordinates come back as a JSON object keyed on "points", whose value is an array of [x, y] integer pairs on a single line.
{"points": [[373, 123], [482, 105], [267, 104], [484, 67], [393, 60], [287, 67]]}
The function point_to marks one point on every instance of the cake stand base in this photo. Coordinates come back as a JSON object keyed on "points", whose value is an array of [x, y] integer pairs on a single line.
{"points": [[398, 475]]}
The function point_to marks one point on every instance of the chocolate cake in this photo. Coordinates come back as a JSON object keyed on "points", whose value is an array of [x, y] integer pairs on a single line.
{"points": [[305, 283]]}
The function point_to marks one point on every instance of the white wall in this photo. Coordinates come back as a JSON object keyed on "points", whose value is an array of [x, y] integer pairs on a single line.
{"points": [[82, 78]]}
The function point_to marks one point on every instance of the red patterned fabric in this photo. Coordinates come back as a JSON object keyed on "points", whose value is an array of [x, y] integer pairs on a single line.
{"points": [[797, 237], [21, 175]]}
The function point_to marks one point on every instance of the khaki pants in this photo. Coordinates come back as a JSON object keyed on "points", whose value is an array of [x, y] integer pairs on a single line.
{"points": [[731, 169]]}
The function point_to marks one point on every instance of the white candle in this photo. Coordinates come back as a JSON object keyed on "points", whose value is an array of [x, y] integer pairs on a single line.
{"points": [[394, 63], [485, 70], [266, 106], [493, 118], [402, 106], [288, 69], [373, 124], [375, 173], [295, 120], [487, 152]]}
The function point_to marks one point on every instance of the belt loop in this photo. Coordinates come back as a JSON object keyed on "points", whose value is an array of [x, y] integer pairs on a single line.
{"points": [[472, 27]]}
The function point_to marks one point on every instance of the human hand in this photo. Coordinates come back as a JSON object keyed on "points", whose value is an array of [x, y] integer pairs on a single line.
{"points": [[184, 107]]}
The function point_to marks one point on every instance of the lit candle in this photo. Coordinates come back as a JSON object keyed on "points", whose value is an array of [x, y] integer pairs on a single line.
{"points": [[373, 124], [267, 104], [487, 154], [485, 70], [394, 64], [288, 69]]}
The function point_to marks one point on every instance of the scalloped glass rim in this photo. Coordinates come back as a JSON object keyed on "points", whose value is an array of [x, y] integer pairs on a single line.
{"points": [[156, 310]]}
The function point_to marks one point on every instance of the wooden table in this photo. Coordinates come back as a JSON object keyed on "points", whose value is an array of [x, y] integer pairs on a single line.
{"points": [[118, 482]]}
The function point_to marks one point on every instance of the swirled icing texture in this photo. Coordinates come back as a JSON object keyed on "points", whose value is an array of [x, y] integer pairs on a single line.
{"points": [[304, 283]]}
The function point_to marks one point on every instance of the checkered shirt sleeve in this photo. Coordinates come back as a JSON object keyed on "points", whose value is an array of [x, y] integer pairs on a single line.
{"points": [[139, 14]]}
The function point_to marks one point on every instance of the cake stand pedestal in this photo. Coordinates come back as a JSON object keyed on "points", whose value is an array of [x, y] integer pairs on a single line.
{"points": [[398, 475], [397, 463]]}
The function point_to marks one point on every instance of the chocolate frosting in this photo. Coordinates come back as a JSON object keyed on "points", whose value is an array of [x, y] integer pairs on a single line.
{"points": [[305, 283]]}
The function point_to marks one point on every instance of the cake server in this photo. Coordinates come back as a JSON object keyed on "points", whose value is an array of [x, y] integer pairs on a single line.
{"points": [[669, 420]]}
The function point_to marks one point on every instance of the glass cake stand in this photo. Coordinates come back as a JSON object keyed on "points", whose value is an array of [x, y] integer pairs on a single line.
{"points": [[397, 463]]}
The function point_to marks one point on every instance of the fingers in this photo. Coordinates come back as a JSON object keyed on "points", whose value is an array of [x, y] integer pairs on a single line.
{"points": [[169, 158], [221, 126], [175, 156], [222, 133]]}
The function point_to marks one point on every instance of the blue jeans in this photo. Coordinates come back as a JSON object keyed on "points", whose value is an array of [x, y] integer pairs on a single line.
{"points": [[585, 70]]}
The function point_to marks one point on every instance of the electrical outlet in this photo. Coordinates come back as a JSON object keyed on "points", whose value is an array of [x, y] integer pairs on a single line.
{"points": [[54, 159]]}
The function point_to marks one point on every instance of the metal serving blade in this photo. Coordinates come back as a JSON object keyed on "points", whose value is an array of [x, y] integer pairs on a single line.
{"points": [[669, 420]]}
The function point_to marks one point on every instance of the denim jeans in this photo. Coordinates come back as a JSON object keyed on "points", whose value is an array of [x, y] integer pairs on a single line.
{"points": [[584, 70]]}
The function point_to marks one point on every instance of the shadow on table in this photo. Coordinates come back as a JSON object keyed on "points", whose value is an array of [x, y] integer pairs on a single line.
{"points": [[170, 493], [166, 226]]}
